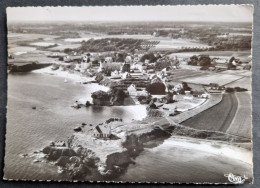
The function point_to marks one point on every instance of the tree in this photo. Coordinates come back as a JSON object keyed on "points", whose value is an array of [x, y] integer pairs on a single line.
{"points": [[67, 50], [204, 60], [230, 90], [149, 56], [185, 86], [163, 63], [99, 77], [193, 60], [121, 57], [119, 94], [230, 63], [156, 88], [100, 95], [169, 97]]}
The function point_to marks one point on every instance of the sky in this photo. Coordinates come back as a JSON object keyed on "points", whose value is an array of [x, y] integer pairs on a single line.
{"points": [[218, 13]]}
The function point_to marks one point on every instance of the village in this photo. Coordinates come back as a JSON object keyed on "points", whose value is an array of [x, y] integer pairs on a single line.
{"points": [[168, 85]]}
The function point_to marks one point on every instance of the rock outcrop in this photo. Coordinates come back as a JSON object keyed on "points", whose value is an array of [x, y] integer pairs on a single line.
{"points": [[27, 66]]}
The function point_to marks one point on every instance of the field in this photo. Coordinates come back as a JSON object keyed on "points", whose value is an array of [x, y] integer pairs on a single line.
{"points": [[167, 43], [237, 72], [242, 122], [217, 54], [18, 50], [221, 79], [64, 46], [217, 118], [180, 74], [14, 37], [42, 44], [243, 83]]}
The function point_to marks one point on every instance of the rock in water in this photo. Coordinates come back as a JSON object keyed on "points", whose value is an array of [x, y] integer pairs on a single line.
{"points": [[88, 104], [36, 161], [77, 129], [83, 124], [62, 161], [46, 150]]}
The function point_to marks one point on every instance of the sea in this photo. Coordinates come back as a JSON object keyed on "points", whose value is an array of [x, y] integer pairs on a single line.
{"points": [[29, 130]]}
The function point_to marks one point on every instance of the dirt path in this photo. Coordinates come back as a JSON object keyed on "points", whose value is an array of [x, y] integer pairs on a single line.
{"points": [[217, 118]]}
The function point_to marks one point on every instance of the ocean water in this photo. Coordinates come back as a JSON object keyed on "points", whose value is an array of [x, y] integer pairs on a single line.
{"points": [[53, 119]]}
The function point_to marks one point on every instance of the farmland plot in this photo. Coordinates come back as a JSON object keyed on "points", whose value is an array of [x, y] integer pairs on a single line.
{"points": [[242, 122], [243, 83], [221, 79], [217, 118]]}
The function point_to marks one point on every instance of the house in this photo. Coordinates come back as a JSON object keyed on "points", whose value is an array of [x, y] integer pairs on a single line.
{"points": [[125, 75], [146, 61], [214, 86], [102, 131], [101, 68], [198, 94], [212, 68], [128, 59], [77, 67], [177, 87], [205, 95], [125, 67], [115, 73], [142, 92], [108, 59], [132, 90]]}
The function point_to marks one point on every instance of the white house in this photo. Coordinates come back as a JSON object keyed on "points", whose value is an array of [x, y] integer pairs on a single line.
{"points": [[102, 131], [132, 90], [100, 69], [205, 95], [125, 75], [147, 61], [234, 63], [142, 92], [108, 59], [115, 74], [77, 67], [128, 59], [178, 87]]}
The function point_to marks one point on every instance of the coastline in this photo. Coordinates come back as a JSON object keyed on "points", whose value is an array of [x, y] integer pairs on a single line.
{"points": [[75, 76]]}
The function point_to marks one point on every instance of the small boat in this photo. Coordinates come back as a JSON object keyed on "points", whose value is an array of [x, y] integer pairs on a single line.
{"points": [[65, 81]]}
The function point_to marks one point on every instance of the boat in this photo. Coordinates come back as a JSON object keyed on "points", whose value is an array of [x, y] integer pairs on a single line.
{"points": [[65, 81]]}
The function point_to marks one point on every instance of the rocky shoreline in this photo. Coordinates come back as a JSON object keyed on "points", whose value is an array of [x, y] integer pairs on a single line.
{"points": [[81, 162], [26, 66]]}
